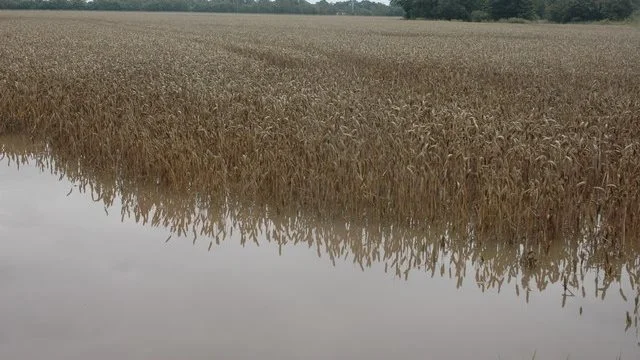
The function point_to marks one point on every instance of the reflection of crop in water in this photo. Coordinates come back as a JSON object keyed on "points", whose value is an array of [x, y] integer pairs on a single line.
{"points": [[444, 250]]}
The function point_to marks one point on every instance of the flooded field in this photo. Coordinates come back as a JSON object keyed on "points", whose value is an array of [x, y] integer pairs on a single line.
{"points": [[88, 269], [198, 186]]}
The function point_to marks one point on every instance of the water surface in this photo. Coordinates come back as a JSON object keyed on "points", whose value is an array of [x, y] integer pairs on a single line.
{"points": [[83, 280]]}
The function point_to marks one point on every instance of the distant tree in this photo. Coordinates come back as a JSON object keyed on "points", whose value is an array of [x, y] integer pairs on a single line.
{"points": [[78, 4], [504, 9], [323, 7], [616, 9], [450, 10], [105, 5], [573, 10], [475, 10], [539, 8]]}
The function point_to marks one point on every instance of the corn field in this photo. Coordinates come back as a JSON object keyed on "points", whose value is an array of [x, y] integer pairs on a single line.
{"points": [[497, 131]]}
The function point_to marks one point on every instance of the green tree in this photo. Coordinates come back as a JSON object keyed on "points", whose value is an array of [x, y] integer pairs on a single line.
{"points": [[504, 9], [451, 9], [617, 9]]}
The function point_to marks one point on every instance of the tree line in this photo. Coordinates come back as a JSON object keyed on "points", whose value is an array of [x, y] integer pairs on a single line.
{"points": [[240, 6], [469, 10], [562, 11]]}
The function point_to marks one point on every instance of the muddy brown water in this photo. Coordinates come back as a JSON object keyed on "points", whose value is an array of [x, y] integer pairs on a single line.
{"points": [[80, 281]]}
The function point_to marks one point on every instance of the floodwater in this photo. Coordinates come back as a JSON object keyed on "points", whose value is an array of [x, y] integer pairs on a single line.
{"points": [[83, 280]]}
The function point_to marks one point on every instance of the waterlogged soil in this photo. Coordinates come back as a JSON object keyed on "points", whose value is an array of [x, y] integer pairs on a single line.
{"points": [[80, 281]]}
